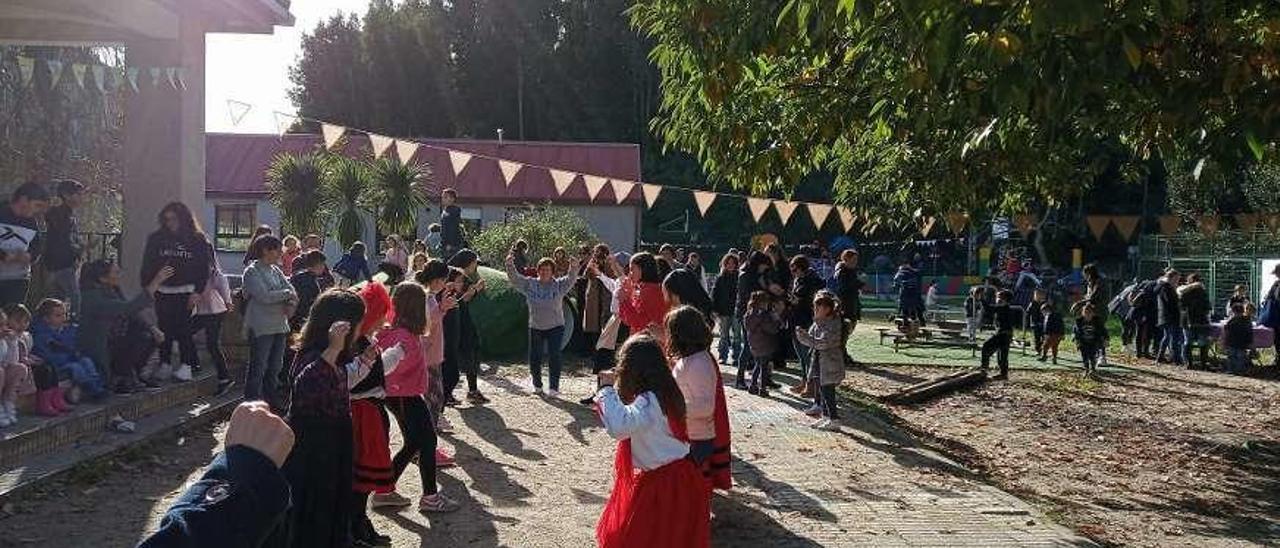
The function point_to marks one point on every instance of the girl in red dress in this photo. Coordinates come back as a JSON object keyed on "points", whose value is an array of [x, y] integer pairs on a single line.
{"points": [[641, 303], [658, 497]]}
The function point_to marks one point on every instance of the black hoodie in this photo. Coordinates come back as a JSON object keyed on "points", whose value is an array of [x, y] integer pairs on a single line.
{"points": [[189, 255]]}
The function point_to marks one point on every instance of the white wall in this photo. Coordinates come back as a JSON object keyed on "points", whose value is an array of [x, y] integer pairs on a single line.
{"points": [[616, 225]]}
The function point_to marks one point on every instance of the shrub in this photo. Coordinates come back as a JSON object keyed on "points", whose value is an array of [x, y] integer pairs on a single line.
{"points": [[545, 228]]}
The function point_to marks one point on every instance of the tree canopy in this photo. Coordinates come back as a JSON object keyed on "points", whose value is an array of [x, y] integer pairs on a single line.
{"points": [[932, 105]]}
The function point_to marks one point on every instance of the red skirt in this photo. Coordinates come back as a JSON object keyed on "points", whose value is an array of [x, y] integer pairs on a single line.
{"points": [[668, 507], [372, 454]]}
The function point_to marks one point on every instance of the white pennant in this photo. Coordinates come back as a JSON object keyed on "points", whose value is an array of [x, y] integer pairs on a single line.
{"points": [[758, 207], [237, 110], [171, 74], [621, 189], [27, 66], [846, 218], [405, 150], [651, 193], [509, 170], [594, 185], [99, 77], [155, 77], [704, 200], [55, 72], [132, 75], [332, 134], [178, 78], [380, 144], [284, 122], [819, 214], [562, 180], [459, 160], [785, 209], [78, 70]]}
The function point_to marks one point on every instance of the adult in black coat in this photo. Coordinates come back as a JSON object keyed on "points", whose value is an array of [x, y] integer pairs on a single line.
{"points": [[1169, 318]]}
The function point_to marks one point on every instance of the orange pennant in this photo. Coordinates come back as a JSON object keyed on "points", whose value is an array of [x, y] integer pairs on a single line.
{"points": [[847, 218], [1126, 225], [562, 180], [785, 208], [956, 221], [1209, 224], [758, 207], [509, 170], [1169, 224], [1097, 225], [651, 193], [819, 213], [704, 200], [594, 185]]}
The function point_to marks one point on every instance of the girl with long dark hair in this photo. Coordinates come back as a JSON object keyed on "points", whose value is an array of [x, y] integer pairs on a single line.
{"points": [[707, 415], [179, 243], [642, 304]]}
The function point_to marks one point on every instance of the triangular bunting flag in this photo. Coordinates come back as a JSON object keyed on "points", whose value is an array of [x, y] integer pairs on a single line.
{"points": [[1126, 225], [621, 189], [406, 150], [758, 207], [562, 180], [1272, 221], [1097, 225], [594, 185], [155, 77], [27, 68], [284, 122], [1169, 224], [1025, 223], [847, 218], [171, 74], [78, 70], [704, 200], [509, 170], [55, 72], [956, 221], [819, 214], [459, 161], [1209, 224], [1247, 221], [179, 78], [651, 193], [99, 73], [332, 134], [926, 224], [131, 74], [237, 110], [785, 208], [380, 144]]}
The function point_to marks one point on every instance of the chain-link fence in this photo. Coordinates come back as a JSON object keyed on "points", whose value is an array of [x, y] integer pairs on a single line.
{"points": [[1225, 260]]}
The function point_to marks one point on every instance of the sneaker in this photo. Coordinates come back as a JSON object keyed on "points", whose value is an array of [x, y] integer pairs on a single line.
{"points": [[224, 385], [832, 425], [814, 411], [444, 460], [553, 393], [451, 401], [588, 401], [389, 500], [182, 373], [477, 398], [443, 425], [437, 503], [821, 424]]}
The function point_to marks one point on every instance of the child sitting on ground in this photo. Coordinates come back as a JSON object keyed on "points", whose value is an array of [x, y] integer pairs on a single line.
{"points": [[13, 373], [1090, 335], [1237, 338], [1054, 329], [55, 342], [762, 325], [827, 339], [43, 381]]}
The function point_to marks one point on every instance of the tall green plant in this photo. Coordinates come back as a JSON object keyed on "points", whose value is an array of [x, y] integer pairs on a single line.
{"points": [[295, 186], [347, 187], [397, 195], [544, 230]]}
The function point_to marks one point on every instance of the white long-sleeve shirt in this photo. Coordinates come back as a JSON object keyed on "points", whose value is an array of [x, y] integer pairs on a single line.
{"points": [[610, 285], [653, 445]]}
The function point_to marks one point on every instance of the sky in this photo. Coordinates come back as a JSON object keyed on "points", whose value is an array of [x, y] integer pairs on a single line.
{"points": [[254, 69]]}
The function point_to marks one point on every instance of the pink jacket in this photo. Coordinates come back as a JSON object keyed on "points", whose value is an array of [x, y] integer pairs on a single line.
{"points": [[434, 338], [409, 378]]}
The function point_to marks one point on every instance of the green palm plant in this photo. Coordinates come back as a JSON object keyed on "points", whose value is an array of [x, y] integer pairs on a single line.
{"points": [[397, 194], [295, 186], [346, 195]]}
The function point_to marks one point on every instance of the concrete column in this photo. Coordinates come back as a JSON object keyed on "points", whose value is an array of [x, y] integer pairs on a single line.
{"points": [[164, 140]]}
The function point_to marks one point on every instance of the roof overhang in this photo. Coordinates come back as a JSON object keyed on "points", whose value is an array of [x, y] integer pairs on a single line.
{"points": [[117, 22]]}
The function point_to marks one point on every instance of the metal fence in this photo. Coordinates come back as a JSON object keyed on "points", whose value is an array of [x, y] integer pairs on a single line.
{"points": [[1224, 260]]}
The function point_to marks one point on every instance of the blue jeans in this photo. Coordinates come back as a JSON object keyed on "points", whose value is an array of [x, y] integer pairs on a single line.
{"points": [[1175, 339], [266, 357], [550, 338], [1238, 360], [730, 339], [83, 374]]}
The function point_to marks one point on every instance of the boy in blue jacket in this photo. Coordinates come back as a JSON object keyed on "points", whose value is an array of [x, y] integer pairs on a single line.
{"points": [[54, 340]]}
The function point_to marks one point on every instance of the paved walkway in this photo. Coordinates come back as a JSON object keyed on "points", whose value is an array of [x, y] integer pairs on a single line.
{"points": [[535, 472]]}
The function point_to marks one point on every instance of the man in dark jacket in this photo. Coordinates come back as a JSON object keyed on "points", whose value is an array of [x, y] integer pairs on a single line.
{"points": [[20, 242], [1004, 319], [1196, 308], [242, 496], [910, 301], [1169, 317]]}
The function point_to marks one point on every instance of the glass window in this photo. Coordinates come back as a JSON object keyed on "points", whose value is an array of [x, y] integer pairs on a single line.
{"points": [[471, 222], [233, 226]]}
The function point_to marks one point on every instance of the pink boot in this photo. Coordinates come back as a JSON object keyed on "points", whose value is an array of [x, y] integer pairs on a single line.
{"points": [[444, 460], [59, 400], [44, 403]]}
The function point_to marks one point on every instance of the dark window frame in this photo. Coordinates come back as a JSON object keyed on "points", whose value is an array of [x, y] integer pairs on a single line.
{"points": [[243, 223]]}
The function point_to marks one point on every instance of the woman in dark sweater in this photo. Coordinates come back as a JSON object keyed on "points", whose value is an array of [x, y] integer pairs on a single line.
{"points": [[180, 244], [723, 298]]}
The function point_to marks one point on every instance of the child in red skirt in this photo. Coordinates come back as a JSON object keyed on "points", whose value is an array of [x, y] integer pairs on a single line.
{"points": [[658, 497], [369, 421]]}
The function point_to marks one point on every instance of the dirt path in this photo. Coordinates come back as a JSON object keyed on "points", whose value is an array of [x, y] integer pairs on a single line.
{"points": [[535, 472]]}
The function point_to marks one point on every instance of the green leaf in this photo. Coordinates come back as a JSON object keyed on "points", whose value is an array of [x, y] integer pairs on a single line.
{"points": [[1255, 145], [1132, 53], [846, 6]]}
